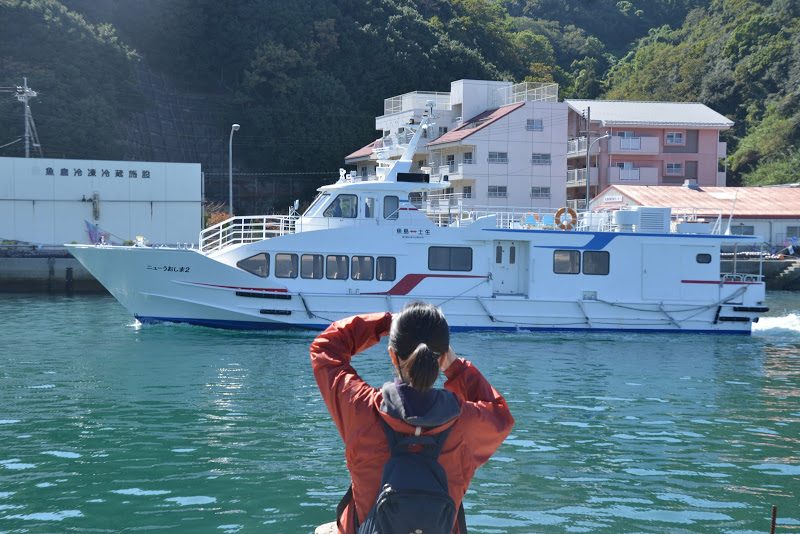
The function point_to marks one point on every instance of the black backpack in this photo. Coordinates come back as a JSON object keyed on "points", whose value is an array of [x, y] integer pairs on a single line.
{"points": [[414, 496]]}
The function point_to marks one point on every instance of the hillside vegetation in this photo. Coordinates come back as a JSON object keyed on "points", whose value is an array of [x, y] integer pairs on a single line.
{"points": [[306, 79]]}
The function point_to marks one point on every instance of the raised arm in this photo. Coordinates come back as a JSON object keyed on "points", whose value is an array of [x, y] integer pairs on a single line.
{"points": [[345, 393], [484, 409]]}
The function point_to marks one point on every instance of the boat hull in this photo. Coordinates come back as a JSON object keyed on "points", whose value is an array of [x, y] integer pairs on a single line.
{"points": [[184, 286]]}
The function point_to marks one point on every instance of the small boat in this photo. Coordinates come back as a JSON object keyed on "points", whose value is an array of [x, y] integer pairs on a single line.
{"points": [[377, 242]]}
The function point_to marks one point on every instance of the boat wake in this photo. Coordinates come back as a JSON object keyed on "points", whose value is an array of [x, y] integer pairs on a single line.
{"points": [[787, 324]]}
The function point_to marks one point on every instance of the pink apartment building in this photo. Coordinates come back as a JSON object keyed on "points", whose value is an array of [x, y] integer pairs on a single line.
{"points": [[648, 143]]}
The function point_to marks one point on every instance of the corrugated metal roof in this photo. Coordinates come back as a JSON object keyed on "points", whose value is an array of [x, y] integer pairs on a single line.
{"points": [[363, 152], [476, 124], [657, 114], [750, 202]]}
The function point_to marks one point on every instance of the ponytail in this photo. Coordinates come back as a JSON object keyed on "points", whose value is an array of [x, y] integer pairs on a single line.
{"points": [[419, 336], [421, 368]]}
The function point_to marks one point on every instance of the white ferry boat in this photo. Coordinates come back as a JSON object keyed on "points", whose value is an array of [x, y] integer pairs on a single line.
{"points": [[376, 243]]}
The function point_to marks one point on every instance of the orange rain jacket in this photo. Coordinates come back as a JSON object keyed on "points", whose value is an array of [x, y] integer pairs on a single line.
{"points": [[483, 424]]}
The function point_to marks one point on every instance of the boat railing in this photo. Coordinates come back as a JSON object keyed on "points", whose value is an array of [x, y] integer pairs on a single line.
{"points": [[457, 210], [239, 230], [743, 278]]}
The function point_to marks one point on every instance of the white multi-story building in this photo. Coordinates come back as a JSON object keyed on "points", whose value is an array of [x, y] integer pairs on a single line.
{"points": [[496, 143]]}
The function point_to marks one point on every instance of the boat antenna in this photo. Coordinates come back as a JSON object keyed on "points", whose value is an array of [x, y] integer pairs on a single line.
{"points": [[730, 216]]}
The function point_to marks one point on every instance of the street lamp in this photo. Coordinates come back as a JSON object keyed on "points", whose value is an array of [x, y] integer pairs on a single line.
{"points": [[234, 128], [588, 176]]}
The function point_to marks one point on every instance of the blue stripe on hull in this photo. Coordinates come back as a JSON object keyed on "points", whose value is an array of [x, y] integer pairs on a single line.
{"points": [[257, 325]]}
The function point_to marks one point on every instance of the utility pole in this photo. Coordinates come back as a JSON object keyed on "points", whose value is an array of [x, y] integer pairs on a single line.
{"points": [[24, 94]]}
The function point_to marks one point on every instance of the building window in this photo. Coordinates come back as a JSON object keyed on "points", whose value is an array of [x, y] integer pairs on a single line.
{"points": [[595, 262], [566, 261], [534, 125], [703, 258], [286, 265], [336, 268], [674, 138], [449, 258], [468, 158], [442, 130], [386, 268], [257, 265], [540, 192], [391, 207], [498, 191], [364, 172], [540, 159], [312, 266], [674, 169], [361, 267], [498, 157], [792, 232], [743, 229], [345, 206], [467, 191]]}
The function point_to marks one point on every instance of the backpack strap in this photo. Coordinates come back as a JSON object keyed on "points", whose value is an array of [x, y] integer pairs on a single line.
{"points": [[342, 506]]}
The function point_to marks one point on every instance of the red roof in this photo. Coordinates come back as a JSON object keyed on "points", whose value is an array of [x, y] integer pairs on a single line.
{"points": [[750, 202], [476, 124], [363, 152]]}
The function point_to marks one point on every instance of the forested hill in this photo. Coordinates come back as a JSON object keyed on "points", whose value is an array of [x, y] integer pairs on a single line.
{"points": [[306, 79]]}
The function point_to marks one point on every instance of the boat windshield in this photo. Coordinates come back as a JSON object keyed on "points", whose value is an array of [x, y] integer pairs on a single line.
{"points": [[315, 206]]}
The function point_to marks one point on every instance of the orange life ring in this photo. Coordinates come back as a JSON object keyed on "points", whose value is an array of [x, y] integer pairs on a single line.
{"points": [[566, 224]]}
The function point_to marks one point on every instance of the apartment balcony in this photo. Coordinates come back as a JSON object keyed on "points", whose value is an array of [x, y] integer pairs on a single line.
{"points": [[577, 177], [634, 145], [451, 172], [577, 205], [636, 176], [576, 148]]}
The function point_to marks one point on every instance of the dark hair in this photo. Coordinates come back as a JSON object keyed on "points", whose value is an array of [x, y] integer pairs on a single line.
{"points": [[419, 336]]}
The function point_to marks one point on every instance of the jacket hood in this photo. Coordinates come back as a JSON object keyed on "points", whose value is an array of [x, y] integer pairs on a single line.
{"points": [[424, 409]]}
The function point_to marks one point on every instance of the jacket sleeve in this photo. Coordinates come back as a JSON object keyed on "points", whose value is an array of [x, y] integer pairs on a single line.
{"points": [[345, 393], [484, 409]]}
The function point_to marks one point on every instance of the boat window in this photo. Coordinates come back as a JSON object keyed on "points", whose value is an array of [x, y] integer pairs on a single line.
{"points": [[286, 265], [498, 254], [257, 265], [449, 258], [361, 268], [391, 207], [345, 206], [595, 262], [386, 268], [369, 208], [321, 199], [704, 258], [566, 261], [512, 254], [336, 268], [312, 266]]}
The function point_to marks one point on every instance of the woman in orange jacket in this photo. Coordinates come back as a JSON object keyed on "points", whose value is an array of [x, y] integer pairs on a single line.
{"points": [[419, 347]]}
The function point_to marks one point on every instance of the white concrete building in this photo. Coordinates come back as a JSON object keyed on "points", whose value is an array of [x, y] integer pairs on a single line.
{"points": [[58, 201], [496, 143]]}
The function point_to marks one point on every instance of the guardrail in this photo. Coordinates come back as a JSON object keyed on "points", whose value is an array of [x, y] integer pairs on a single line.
{"points": [[238, 230]]}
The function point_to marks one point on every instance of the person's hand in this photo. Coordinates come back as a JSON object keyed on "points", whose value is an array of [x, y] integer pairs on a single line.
{"points": [[446, 359]]}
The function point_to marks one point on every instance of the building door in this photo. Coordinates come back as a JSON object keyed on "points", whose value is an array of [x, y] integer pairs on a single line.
{"points": [[508, 268]]}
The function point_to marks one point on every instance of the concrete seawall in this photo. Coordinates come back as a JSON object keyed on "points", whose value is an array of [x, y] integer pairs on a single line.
{"points": [[44, 270]]}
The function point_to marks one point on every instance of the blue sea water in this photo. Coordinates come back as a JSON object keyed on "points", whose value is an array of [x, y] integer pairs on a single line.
{"points": [[110, 426]]}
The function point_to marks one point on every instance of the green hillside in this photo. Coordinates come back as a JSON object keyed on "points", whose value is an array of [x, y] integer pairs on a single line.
{"points": [[306, 79]]}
